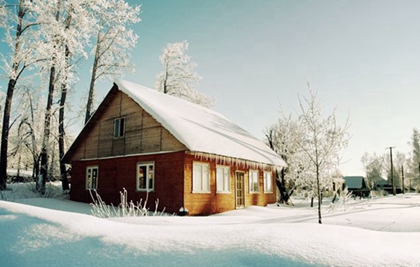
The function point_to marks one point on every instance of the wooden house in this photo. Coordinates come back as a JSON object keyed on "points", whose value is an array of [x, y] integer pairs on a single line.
{"points": [[185, 155], [357, 185]]}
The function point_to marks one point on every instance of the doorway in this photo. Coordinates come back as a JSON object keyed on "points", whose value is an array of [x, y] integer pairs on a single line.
{"points": [[240, 190]]}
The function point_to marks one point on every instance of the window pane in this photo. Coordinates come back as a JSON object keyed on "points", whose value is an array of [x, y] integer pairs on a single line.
{"points": [[219, 179], [206, 180], [122, 126], [254, 185], [142, 177], [150, 177], [196, 177], [268, 182], [201, 177], [91, 177], [223, 179], [116, 127]]}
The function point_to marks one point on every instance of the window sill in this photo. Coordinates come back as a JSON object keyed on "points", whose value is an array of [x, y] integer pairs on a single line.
{"points": [[254, 193], [145, 190], [201, 192], [224, 192]]}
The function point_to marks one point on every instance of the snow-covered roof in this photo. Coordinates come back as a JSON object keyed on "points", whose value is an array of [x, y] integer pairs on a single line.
{"points": [[200, 129], [354, 181]]}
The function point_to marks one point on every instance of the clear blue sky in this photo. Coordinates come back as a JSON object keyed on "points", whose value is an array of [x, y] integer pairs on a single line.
{"points": [[363, 57]]}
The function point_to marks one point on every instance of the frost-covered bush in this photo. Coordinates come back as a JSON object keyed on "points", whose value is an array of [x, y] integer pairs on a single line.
{"points": [[28, 190], [343, 199], [378, 193], [124, 209]]}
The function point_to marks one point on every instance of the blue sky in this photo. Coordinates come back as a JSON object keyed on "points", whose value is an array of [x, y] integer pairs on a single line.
{"points": [[363, 57]]}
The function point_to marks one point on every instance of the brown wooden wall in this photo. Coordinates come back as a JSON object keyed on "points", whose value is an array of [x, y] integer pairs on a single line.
{"points": [[213, 202], [143, 134], [118, 173]]}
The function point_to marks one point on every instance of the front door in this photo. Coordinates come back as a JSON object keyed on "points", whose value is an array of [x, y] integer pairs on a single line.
{"points": [[240, 189]]}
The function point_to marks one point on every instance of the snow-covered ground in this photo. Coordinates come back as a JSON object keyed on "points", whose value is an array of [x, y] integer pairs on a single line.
{"points": [[57, 232]]}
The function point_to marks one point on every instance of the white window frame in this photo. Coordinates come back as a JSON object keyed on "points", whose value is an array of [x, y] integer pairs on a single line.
{"points": [[91, 182], [268, 182], [148, 176], [254, 181], [201, 177], [120, 131], [222, 179]]}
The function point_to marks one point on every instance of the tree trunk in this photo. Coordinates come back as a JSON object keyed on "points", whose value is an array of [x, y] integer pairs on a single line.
{"points": [[319, 195], [5, 133], [8, 103], [61, 131], [89, 103], [43, 175]]}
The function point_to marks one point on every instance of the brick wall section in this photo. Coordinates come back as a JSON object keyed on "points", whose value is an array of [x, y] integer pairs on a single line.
{"points": [[173, 184], [118, 173], [213, 202]]}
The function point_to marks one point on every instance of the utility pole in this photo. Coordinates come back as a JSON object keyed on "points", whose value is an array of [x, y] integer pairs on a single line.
{"points": [[392, 171], [402, 177]]}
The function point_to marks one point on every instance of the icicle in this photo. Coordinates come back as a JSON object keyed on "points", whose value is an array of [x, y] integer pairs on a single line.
{"points": [[238, 163]]}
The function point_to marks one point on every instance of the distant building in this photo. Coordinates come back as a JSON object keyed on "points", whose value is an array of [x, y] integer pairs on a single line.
{"points": [[357, 185]]}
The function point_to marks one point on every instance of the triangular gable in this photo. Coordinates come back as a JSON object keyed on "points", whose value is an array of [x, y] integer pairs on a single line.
{"points": [[90, 124], [200, 129]]}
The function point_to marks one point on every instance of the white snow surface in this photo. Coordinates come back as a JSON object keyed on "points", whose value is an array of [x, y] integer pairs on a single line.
{"points": [[200, 129], [57, 232]]}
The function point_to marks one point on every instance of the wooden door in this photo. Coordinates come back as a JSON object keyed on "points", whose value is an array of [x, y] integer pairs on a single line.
{"points": [[240, 189]]}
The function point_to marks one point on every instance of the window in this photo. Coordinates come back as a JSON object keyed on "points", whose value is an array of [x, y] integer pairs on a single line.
{"points": [[268, 182], [119, 127], [92, 177], [201, 178], [254, 183], [222, 179], [145, 176]]}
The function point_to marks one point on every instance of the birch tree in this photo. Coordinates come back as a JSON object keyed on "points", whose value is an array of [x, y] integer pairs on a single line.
{"points": [[65, 31], [179, 77], [322, 144], [22, 38], [113, 41], [30, 128]]}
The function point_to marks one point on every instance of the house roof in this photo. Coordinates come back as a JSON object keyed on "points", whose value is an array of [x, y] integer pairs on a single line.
{"points": [[200, 129], [354, 181]]}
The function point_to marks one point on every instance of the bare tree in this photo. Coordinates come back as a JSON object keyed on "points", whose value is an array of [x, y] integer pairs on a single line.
{"points": [[179, 77], [113, 41], [322, 144]]}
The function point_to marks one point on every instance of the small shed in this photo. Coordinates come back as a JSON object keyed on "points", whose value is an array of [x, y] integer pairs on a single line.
{"points": [[162, 147], [357, 185]]}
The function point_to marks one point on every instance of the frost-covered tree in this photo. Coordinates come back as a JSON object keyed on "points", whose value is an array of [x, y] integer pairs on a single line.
{"points": [[65, 31], [374, 168], [413, 167], [21, 35], [283, 138], [27, 139], [398, 160], [323, 142], [113, 41], [179, 77], [401, 165]]}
